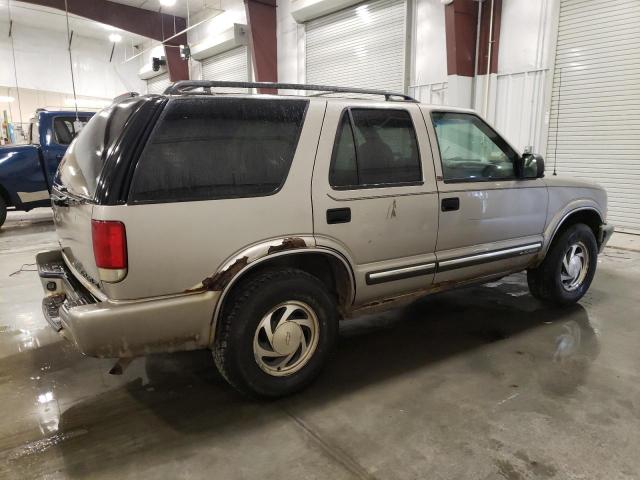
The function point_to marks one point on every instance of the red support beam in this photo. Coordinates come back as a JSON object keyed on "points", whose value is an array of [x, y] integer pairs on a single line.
{"points": [[484, 40], [147, 23], [461, 21], [261, 17]]}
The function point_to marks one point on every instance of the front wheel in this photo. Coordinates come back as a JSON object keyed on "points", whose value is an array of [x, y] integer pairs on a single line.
{"points": [[566, 273], [275, 333]]}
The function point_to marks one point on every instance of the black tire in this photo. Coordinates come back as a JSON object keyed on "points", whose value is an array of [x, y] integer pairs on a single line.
{"points": [[545, 280], [3, 211], [254, 298]]}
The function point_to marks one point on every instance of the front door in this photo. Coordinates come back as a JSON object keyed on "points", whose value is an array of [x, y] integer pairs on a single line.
{"points": [[374, 195], [490, 221], [64, 131]]}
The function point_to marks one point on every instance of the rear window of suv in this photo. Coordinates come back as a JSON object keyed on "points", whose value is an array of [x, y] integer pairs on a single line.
{"points": [[82, 165], [212, 148]]}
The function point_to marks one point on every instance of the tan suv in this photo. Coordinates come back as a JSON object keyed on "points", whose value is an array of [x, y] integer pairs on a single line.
{"points": [[251, 224]]}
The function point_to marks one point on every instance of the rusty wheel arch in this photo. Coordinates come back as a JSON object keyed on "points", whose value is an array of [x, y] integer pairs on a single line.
{"points": [[341, 280]]}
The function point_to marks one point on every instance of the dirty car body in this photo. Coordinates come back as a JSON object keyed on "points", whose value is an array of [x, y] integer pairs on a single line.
{"points": [[378, 201]]}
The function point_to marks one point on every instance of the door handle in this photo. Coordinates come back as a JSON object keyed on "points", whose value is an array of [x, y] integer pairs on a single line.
{"points": [[339, 215], [450, 204]]}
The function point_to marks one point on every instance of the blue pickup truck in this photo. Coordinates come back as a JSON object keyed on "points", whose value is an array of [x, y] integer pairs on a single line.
{"points": [[27, 171]]}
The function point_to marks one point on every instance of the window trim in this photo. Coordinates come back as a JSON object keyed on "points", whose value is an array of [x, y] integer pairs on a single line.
{"points": [[132, 201], [370, 186], [475, 180]]}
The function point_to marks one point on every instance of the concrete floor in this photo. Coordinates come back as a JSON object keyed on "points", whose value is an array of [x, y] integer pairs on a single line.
{"points": [[483, 383]]}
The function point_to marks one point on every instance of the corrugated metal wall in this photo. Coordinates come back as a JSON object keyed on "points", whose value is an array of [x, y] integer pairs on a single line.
{"points": [[519, 107], [430, 93], [361, 46], [158, 84], [594, 125]]}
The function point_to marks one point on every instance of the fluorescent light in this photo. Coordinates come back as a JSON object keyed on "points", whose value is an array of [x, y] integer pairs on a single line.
{"points": [[167, 3], [6, 99], [115, 38]]}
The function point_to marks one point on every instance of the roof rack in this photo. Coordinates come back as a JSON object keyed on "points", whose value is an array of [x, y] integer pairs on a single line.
{"points": [[187, 86]]}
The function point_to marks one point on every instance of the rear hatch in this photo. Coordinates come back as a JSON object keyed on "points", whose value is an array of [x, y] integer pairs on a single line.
{"points": [[76, 182]]}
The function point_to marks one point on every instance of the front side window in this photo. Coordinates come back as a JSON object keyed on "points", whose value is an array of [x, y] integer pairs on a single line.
{"points": [[375, 147], [470, 150], [208, 148]]}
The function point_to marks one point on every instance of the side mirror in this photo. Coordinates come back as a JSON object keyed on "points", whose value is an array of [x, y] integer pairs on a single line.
{"points": [[530, 166]]}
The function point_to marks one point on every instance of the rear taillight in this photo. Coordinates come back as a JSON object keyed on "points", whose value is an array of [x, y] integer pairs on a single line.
{"points": [[110, 249]]}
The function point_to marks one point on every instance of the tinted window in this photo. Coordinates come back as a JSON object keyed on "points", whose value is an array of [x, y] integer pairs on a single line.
{"points": [[470, 150], [65, 129], [375, 147], [206, 148], [83, 162]]}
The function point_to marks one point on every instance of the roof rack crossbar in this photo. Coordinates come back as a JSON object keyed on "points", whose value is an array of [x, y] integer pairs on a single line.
{"points": [[186, 86]]}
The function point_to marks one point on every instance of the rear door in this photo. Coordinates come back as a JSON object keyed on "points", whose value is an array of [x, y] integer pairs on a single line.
{"points": [[489, 220], [374, 195]]}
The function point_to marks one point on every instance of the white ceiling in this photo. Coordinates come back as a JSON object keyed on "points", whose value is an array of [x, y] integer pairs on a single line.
{"points": [[53, 19]]}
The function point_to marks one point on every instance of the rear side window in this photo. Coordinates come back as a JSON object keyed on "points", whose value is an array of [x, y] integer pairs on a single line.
{"points": [[82, 164], [211, 148], [375, 147]]}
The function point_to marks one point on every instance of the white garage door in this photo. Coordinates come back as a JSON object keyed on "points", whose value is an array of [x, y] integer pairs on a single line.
{"points": [[228, 66], [231, 66], [594, 126], [158, 84], [361, 46]]}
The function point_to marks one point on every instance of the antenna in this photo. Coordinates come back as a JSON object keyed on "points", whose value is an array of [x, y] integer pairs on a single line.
{"points": [[15, 68], [69, 38], [555, 152]]}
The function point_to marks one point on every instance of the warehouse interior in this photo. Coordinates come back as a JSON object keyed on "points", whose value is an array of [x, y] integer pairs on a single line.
{"points": [[483, 381]]}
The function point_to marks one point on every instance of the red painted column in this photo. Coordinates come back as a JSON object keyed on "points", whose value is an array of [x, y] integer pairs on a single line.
{"points": [[461, 19], [261, 18], [484, 40]]}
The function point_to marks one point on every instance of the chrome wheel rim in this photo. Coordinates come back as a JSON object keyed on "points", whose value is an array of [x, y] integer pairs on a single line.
{"points": [[575, 265], [286, 338]]}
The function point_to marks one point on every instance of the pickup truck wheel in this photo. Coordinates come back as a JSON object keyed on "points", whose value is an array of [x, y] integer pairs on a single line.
{"points": [[3, 211], [275, 333], [566, 273]]}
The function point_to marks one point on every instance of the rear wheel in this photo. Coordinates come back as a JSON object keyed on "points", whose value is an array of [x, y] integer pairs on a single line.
{"points": [[275, 333], [568, 269]]}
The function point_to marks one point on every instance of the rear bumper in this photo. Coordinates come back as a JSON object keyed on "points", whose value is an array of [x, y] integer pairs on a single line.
{"points": [[604, 235], [118, 329]]}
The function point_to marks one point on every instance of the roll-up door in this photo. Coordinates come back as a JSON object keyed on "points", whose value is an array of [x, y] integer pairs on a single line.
{"points": [[361, 46], [158, 84], [230, 66], [594, 125]]}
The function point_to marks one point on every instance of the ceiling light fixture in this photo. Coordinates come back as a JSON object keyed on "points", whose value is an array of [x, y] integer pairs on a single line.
{"points": [[115, 37], [6, 99], [167, 3]]}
